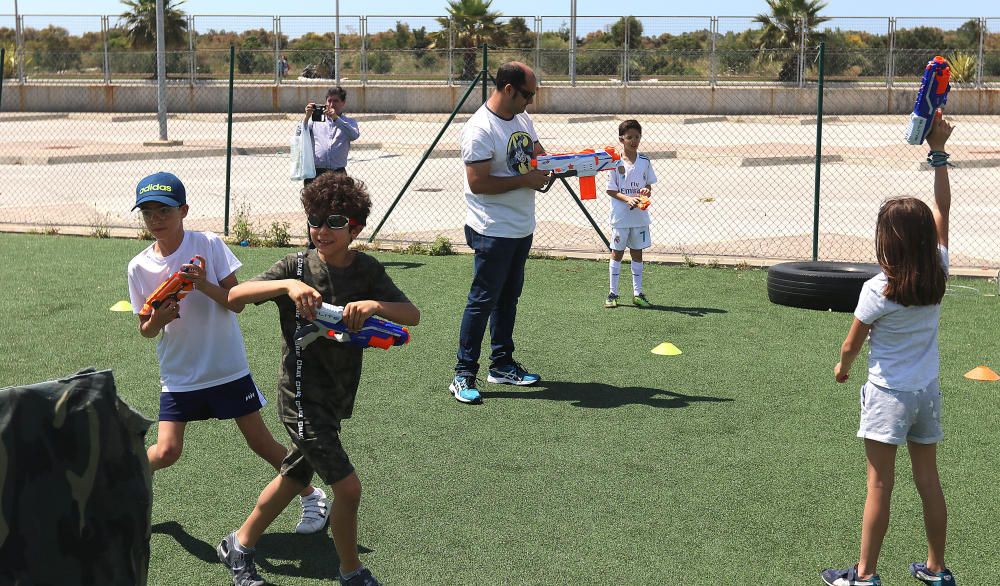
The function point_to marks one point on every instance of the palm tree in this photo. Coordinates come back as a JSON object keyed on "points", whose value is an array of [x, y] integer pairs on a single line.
{"points": [[140, 23], [474, 24], [783, 29]]}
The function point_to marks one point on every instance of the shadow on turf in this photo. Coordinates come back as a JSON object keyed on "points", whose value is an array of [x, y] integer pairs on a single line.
{"points": [[280, 555], [601, 396], [403, 264], [688, 311]]}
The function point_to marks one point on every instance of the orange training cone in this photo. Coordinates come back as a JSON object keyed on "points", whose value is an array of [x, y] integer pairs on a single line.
{"points": [[984, 373]]}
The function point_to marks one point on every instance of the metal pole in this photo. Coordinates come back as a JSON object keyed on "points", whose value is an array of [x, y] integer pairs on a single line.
{"points": [[572, 43], [979, 61], [538, 48], [105, 32], [192, 57], [336, 44], [802, 52], [427, 153], [363, 25], [229, 139], [628, 20], [277, 50], [161, 72], [819, 151], [19, 43], [890, 66], [713, 27], [3, 63]]}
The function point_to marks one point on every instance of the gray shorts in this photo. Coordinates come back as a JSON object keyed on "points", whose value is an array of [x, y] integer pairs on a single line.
{"points": [[896, 417]]}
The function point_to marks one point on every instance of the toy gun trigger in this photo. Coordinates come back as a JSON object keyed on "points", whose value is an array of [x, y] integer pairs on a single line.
{"points": [[306, 334], [547, 186]]}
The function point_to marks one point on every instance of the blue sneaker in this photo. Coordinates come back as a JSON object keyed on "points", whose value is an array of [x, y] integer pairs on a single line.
{"points": [[464, 389], [362, 577], [919, 571], [512, 374], [848, 577]]}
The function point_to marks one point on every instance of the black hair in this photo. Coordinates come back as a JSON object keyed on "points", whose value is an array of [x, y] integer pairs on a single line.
{"points": [[511, 73], [337, 193], [337, 91]]}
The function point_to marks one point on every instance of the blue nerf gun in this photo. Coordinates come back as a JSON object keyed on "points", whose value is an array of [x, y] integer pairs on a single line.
{"points": [[932, 95], [375, 333]]}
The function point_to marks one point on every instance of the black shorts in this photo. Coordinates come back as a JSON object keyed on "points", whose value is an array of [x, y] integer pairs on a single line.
{"points": [[226, 401]]}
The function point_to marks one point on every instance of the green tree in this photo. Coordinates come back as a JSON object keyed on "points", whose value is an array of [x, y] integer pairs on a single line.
{"points": [[634, 32], [783, 29], [474, 24], [140, 23], [518, 33]]}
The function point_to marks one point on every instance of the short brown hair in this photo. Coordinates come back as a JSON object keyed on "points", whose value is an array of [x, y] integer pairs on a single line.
{"points": [[906, 246], [337, 193], [627, 125]]}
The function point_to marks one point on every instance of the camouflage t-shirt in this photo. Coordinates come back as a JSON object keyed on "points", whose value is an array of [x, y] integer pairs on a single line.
{"points": [[331, 370]]}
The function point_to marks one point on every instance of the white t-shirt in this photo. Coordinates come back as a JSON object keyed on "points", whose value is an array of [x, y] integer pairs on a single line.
{"points": [[903, 342], [637, 175], [508, 145], [204, 346]]}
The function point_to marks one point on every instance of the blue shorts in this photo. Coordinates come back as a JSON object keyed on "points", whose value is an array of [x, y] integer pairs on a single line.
{"points": [[226, 401]]}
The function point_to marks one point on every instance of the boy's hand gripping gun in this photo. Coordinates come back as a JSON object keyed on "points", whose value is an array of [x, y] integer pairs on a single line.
{"points": [[176, 287], [932, 95], [375, 333], [584, 164]]}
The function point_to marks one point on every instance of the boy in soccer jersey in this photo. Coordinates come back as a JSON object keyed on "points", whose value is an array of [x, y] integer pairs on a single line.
{"points": [[629, 223]]}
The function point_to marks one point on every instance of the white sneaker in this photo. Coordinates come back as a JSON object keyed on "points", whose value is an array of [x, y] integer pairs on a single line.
{"points": [[315, 512]]}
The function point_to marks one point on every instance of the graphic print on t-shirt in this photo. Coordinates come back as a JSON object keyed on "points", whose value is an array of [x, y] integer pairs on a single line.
{"points": [[519, 151]]}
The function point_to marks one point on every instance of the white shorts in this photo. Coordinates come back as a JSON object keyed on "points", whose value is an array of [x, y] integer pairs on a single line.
{"points": [[635, 238], [896, 417]]}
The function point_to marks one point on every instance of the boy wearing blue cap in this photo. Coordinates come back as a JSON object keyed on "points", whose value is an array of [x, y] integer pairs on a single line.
{"points": [[204, 371]]}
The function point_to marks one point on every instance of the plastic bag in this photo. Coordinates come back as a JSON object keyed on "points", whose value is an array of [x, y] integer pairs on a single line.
{"points": [[303, 162]]}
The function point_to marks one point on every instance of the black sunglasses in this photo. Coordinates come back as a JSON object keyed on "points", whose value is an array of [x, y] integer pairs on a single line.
{"points": [[524, 93], [333, 221]]}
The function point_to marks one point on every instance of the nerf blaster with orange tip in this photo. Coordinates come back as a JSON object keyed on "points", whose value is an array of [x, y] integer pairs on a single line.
{"points": [[329, 323], [584, 164], [933, 94], [644, 202], [176, 287]]}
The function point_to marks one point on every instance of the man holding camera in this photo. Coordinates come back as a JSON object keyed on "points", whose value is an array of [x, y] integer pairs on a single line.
{"points": [[332, 132]]}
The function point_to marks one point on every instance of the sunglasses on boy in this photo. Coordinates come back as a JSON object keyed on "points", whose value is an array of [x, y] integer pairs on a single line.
{"points": [[333, 221]]}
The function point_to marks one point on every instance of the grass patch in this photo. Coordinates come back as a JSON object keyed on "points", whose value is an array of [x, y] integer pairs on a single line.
{"points": [[621, 463]]}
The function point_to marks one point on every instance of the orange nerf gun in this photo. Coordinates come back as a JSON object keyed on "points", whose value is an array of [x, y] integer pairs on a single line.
{"points": [[644, 202], [176, 287], [584, 164]]}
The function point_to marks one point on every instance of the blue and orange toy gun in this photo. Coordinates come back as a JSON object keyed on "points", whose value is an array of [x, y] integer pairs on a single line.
{"points": [[329, 323], [176, 287], [584, 164], [932, 95]]}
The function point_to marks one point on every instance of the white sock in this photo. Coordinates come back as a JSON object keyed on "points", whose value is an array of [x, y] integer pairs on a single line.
{"points": [[616, 270], [636, 278]]}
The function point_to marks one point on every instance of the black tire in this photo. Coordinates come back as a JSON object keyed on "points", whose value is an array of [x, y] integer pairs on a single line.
{"points": [[825, 286]]}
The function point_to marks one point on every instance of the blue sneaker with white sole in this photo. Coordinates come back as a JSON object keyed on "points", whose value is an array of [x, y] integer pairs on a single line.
{"points": [[512, 374], [919, 571], [849, 577], [463, 388]]}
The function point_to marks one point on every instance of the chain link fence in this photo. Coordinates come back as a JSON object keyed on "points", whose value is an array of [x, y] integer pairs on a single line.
{"points": [[738, 182]]}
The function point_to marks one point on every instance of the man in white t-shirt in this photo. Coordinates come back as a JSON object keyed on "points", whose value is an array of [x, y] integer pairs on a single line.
{"points": [[630, 190], [498, 143]]}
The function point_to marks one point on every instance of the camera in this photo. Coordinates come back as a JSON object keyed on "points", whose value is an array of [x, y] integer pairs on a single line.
{"points": [[318, 112]]}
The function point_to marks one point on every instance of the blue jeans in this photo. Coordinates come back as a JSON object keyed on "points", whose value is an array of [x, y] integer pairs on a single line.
{"points": [[498, 277]]}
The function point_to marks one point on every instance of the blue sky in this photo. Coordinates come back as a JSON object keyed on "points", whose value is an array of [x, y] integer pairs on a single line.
{"points": [[926, 8]]}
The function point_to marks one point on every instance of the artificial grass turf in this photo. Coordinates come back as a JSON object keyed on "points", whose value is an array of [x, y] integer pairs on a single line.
{"points": [[735, 462]]}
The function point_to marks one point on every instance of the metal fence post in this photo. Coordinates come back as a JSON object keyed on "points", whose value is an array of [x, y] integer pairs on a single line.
{"points": [[538, 48], [3, 63], [277, 50], [713, 30], [819, 150], [625, 76], [105, 33], [572, 45], [229, 140], [192, 57], [363, 26], [19, 42], [979, 61], [890, 65], [451, 51], [802, 51]]}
